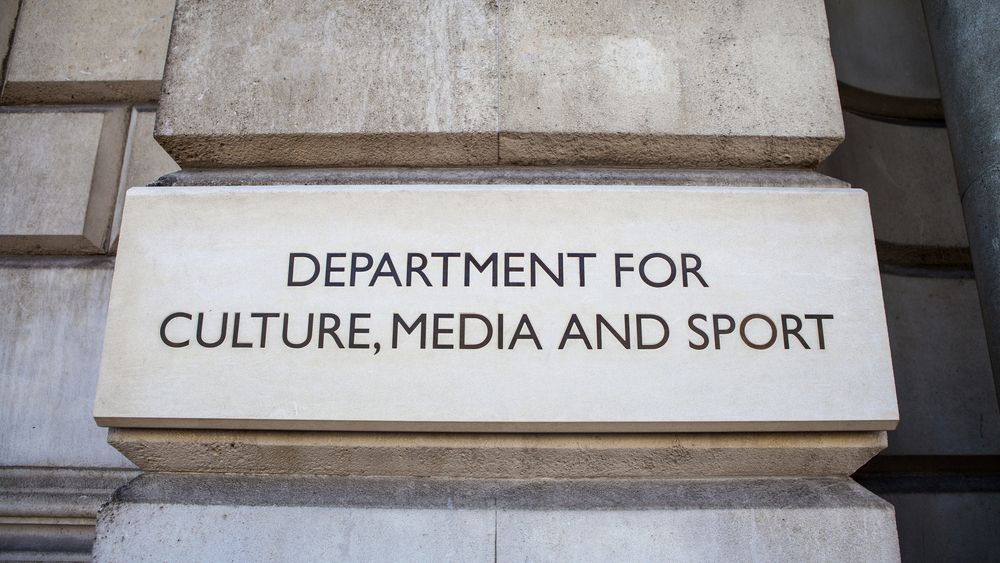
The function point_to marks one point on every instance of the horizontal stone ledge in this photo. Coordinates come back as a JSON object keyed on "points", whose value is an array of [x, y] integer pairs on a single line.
{"points": [[496, 147], [540, 175], [56, 495], [504, 494], [506, 456], [350, 149], [88, 92]]}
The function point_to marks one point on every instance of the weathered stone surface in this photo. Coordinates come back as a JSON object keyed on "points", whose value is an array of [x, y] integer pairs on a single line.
{"points": [[49, 514], [145, 161], [910, 179], [506, 456], [681, 85], [882, 47], [667, 83], [946, 399], [540, 175], [60, 177], [8, 14], [51, 329], [88, 51], [311, 82], [838, 531], [251, 518]]}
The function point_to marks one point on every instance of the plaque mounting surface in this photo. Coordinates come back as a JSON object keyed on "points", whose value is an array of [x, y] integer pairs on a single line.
{"points": [[770, 296]]}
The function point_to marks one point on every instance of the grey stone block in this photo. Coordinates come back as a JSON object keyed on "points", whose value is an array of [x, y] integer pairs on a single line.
{"points": [[49, 514], [51, 332], [667, 83], [8, 14], [910, 179], [224, 518], [947, 405], [145, 161], [310, 82], [57, 193], [950, 526], [882, 47], [430, 83], [710, 535], [138, 532], [88, 51]]}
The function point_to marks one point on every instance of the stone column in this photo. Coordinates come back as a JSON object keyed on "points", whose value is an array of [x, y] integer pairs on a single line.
{"points": [[963, 36]]}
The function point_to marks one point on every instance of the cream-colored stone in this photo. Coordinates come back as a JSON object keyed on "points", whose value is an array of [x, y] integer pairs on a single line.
{"points": [[145, 161], [910, 179], [669, 83], [762, 251], [57, 193], [310, 82], [502, 456], [88, 51]]}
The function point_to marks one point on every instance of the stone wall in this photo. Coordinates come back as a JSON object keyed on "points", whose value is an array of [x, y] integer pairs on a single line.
{"points": [[81, 82], [940, 470]]}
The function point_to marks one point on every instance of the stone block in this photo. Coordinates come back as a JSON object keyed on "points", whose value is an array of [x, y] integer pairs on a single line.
{"points": [[183, 517], [499, 456], [948, 526], [720, 521], [51, 330], [811, 255], [8, 15], [699, 84], [882, 47], [49, 514], [910, 179], [145, 161], [943, 381], [312, 83], [57, 193], [72, 51]]}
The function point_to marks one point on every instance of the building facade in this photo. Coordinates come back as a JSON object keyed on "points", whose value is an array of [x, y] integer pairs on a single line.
{"points": [[767, 94]]}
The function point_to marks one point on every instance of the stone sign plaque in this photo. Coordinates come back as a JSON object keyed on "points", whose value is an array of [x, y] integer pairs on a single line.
{"points": [[497, 308]]}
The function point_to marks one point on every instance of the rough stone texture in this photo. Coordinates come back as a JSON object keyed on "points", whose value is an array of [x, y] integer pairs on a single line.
{"points": [[949, 526], [88, 51], [60, 177], [8, 15], [882, 47], [540, 175], [145, 161], [311, 82], [252, 518], [668, 83], [51, 331], [947, 404], [965, 45], [49, 514], [152, 532], [910, 179], [710, 535], [499, 455]]}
